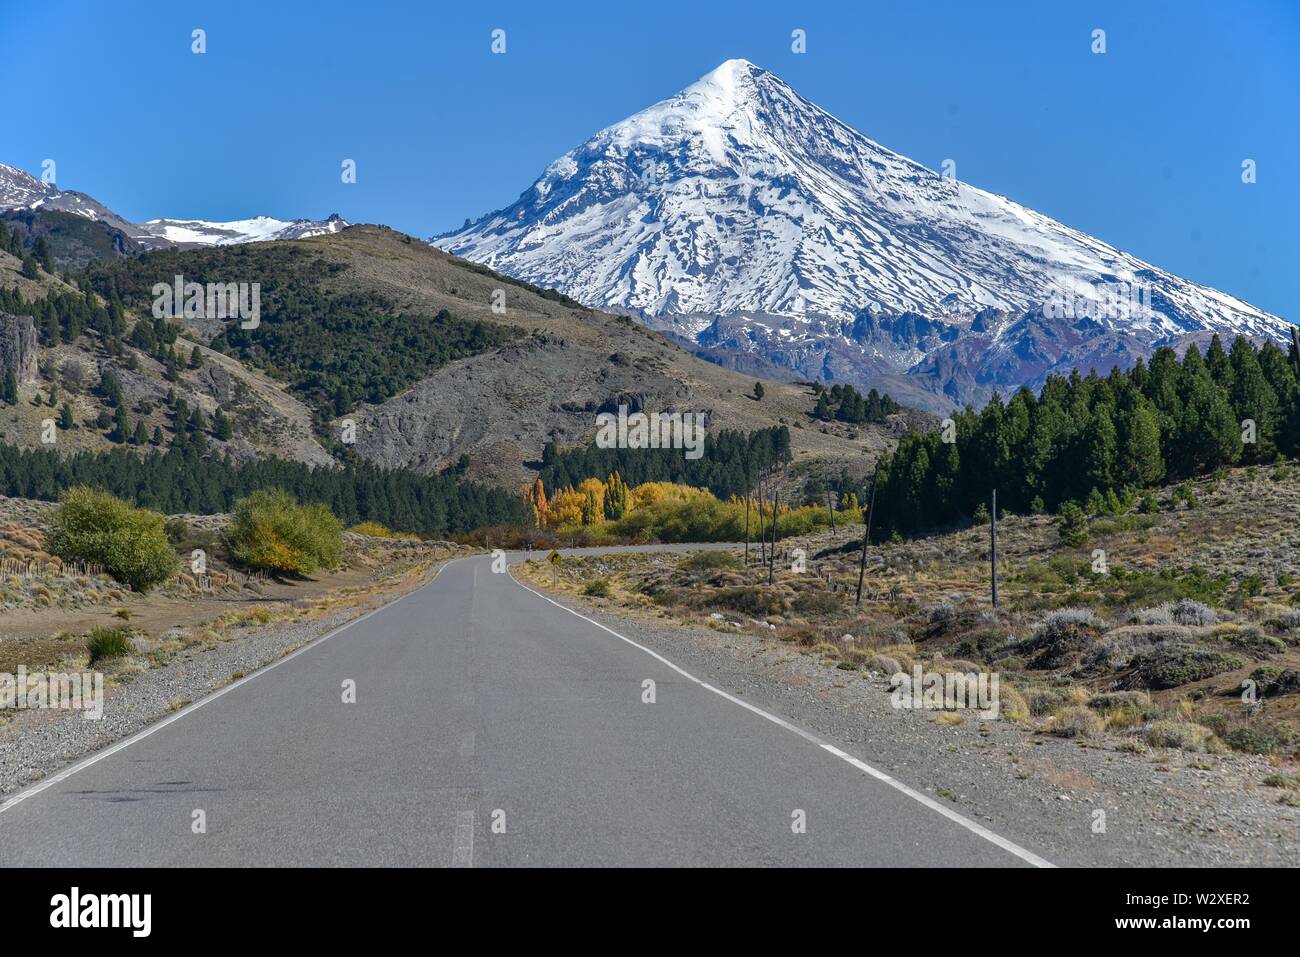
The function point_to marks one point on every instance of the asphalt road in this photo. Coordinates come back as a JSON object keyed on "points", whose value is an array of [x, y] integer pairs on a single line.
{"points": [[491, 727]]}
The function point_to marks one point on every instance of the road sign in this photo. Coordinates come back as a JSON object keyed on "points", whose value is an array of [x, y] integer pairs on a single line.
{"points": [[554, 557]]}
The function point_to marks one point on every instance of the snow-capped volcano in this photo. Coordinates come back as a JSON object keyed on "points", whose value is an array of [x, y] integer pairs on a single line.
{"points": [[742, 216]]}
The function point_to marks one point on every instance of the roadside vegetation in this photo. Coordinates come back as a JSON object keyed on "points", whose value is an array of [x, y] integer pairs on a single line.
{"points": [[129, 543], [1177, 627], [68, 611], [271, 531], [190, 479], [608, 512]]}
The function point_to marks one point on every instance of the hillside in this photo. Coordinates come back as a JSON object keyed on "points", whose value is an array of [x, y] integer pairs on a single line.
{"points": [[367, 324], [265, 420]]}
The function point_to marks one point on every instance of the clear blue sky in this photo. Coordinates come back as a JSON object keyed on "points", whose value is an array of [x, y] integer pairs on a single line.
{"points": [[1141, 146]]}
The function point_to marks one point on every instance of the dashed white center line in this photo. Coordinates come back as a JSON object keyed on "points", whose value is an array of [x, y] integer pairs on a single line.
{"points": [[462, 849]]}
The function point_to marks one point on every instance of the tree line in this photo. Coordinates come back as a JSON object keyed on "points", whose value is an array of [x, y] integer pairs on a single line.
{"points": [[184, 479], [1160, 421], [731, 464], [843, 403]]}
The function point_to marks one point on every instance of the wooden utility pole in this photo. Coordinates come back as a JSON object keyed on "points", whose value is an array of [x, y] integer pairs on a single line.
{"points": [[771, 554], [866, 537], [762, 535], [993, 546], [746, 528], [830, 507]]}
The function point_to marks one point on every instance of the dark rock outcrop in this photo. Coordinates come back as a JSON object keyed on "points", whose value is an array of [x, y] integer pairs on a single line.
{"points": [[17, 347]]}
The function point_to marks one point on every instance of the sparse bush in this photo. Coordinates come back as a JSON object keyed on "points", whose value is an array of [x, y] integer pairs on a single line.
{"points": [[817, 602], [1043, 701], [131, 543], [942, 612], [1058, 622], [1117, 649], [1011, 704], [1249, 640], [1271, 681], [1173, 664], [1061, 637], [1261, 737], [270, 530], [108, 643], [885, 664], [597, 588], [1185, 735], [1181, 612], [750, 599], [373, 530], [709, 561], [1077, 722]]}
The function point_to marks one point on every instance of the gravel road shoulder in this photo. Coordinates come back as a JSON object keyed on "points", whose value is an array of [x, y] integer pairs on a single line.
{"points": [[36, 744]]}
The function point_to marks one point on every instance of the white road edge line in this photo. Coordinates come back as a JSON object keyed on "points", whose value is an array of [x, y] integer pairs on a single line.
{"points": [[125, 743], [978, 829]]}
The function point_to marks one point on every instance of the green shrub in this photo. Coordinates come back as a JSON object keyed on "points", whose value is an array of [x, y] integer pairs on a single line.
{"points": [[751, 600], [709, 561], [1272, 680], [1077, 722], [817, 603], [1073, 525], [271, 531], [1261, 737], [597, 588], [1180, 734], [91, 525], [373, 530], [108, 643], [1171, 665]]}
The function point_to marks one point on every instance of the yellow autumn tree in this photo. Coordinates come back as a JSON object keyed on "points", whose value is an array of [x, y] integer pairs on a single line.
{"points": [[565, 508], [535, 498], [616, 498]]}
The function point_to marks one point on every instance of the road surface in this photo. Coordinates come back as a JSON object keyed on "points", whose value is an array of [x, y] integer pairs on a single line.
{"points": [[491, 727]]}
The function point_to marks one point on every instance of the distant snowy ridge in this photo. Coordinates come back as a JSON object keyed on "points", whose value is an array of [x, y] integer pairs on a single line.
{"points": [[198, 232], [21, 190]]}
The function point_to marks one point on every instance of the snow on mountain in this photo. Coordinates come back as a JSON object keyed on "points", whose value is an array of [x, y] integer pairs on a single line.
{"points": [[737, 206], [20, 190], [198, 232]]}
